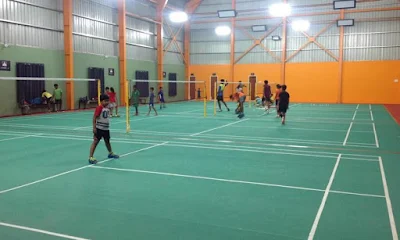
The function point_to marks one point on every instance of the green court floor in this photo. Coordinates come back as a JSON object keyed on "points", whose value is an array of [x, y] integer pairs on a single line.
{"points": [[330, 173]]}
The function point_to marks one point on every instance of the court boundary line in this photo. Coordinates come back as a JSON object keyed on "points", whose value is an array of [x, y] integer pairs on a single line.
{"points": [[355, 113], [37, 230], [213, 136], [388, 201], [347, 134], [212, 129], [372, 116], [118, 122], [324, 198], [376, 136], [356, 157], [303, 129], [76, 169], [14, 138], [373, 127], [338, 121], [234, 181], [328, 142]]}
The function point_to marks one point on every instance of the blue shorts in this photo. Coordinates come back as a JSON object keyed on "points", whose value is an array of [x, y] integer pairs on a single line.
{"points": [[151, 104], [162, 100]]}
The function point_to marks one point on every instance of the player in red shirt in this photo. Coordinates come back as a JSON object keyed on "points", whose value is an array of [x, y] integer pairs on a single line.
{"points": [[101, 128], [113, 102]]}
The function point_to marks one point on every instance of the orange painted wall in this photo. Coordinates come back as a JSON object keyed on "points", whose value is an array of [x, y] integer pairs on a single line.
{"points": [[363, 82], [204, 72], [313, 82], [371, 82], [263, 72]]}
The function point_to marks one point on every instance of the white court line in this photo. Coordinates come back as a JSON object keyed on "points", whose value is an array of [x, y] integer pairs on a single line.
{"points": [[372, 116], [357, 194], [213, 136], [19, 137], [290, 106], [354, 116], [376, 136], [77, 169], [348, 134], [41, 231], [369, 106], [187, 144], [316, 142], [302, 129], [209, 178], [233, 181], [252, 150], [117, 122], [357, 106], [324, 198], [212, 129], [388, 202]]}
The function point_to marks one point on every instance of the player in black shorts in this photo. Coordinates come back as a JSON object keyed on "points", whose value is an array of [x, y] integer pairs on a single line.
{"points": [[101, 128], [283, 103]]}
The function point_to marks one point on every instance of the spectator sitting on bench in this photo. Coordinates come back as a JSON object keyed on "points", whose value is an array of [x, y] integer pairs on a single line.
{"points": [[26, 109], [47, 98]]}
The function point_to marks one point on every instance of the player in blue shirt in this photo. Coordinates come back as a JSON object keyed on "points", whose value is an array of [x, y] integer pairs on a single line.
{"points": [[151, 101], [161, 98], [220, 95]]}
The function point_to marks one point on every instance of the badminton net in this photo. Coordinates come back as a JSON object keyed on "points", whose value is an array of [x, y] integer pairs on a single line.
{"points": [[193, 93]]}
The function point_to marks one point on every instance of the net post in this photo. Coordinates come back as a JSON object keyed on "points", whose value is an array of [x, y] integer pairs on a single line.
{"points": [[127, 115], [205, 101], [255, 93], [98, 91], [215, 97], [249, 94]]}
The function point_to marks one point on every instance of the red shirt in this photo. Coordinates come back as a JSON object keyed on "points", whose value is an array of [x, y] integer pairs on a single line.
{"points": [[112, 96]]}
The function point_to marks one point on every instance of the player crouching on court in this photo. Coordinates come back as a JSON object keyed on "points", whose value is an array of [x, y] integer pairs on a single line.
{"points": [[241, 98], [101, 128]]}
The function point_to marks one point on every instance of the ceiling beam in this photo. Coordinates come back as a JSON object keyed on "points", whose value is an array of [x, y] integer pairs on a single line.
{"points": [[192, 5], [167, 6], [161, 4], [301, 15]]}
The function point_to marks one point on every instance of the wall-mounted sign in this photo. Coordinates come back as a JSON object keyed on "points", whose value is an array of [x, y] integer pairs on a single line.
{"points": [[111, 71], [5, 65]]}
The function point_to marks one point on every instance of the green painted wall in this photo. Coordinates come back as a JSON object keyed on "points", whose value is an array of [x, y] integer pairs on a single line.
{"points": [[134, 65], [84, 61], [54, 67], [180, 71]]}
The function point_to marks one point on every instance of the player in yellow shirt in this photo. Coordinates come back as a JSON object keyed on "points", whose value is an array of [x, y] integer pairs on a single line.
{"points": [[47, 97]]}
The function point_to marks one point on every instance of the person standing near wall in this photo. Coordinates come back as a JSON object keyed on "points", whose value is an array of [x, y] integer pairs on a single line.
{"points": [[57, 94]]}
